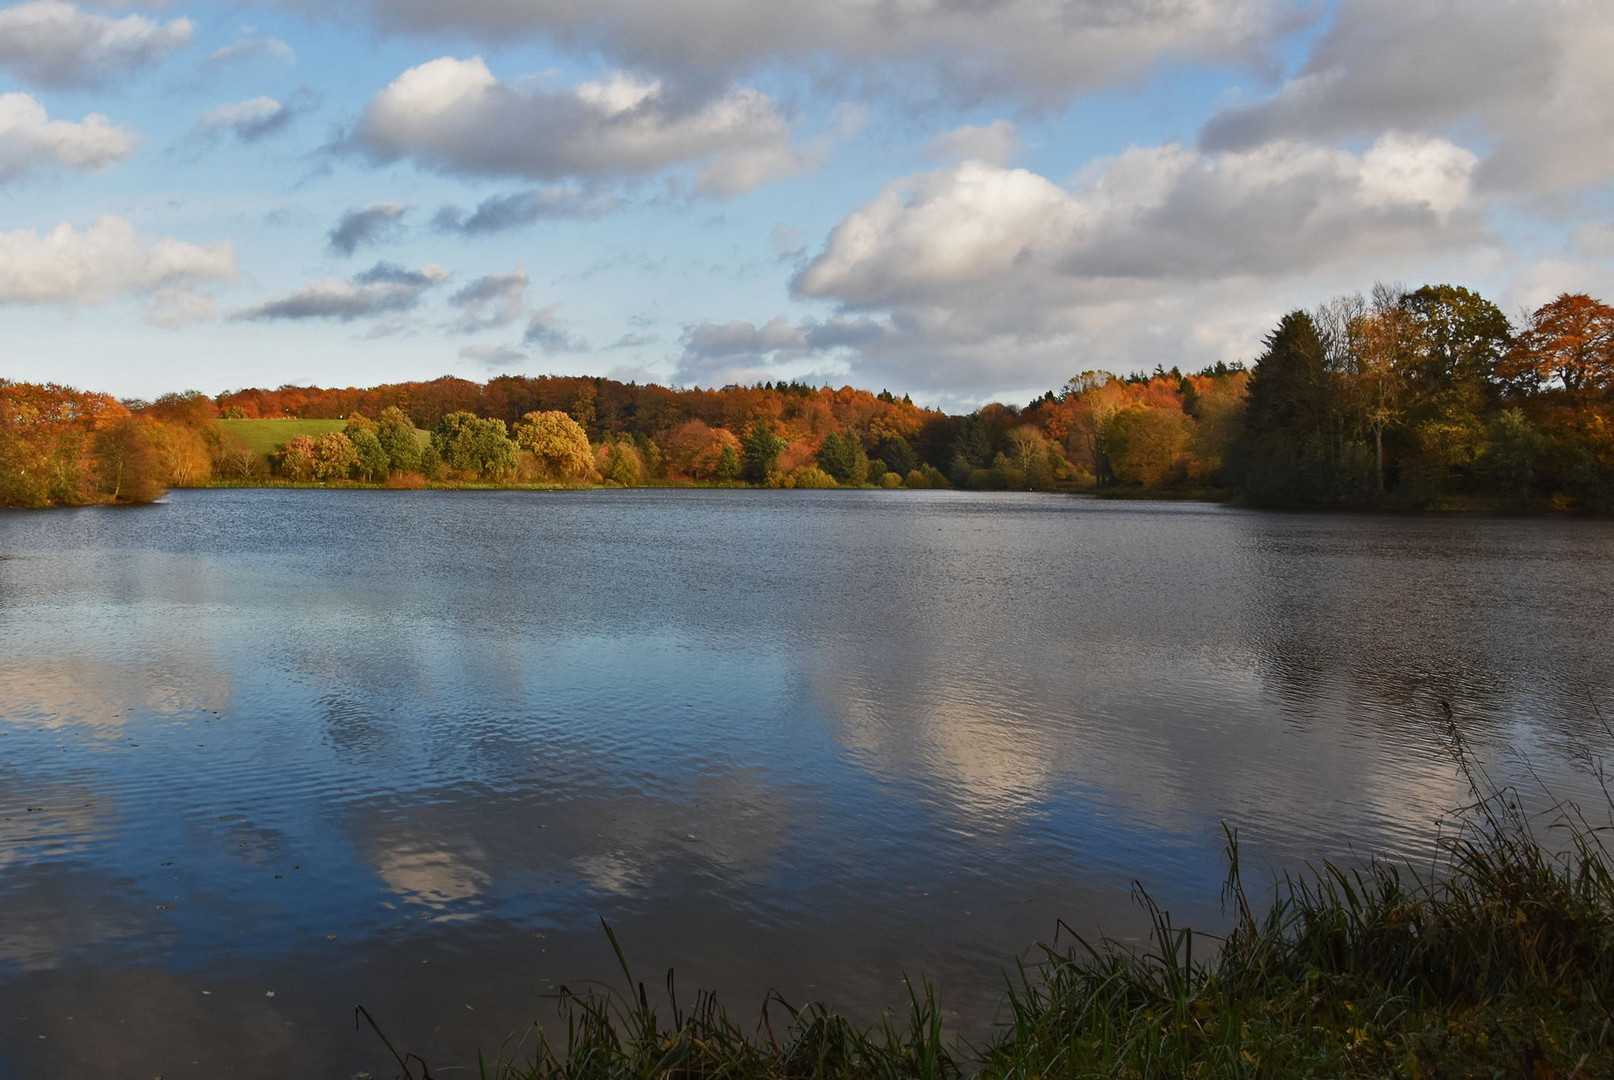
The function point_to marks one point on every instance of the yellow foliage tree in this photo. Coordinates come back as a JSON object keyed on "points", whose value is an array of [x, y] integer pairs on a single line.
{"points": [[558, 442]]}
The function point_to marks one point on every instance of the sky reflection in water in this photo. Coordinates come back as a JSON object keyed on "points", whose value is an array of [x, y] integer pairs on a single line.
{"points": [[407, 749]]}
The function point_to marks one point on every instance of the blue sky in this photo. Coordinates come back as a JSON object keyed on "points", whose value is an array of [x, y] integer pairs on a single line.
{"points": [[958, 200]]}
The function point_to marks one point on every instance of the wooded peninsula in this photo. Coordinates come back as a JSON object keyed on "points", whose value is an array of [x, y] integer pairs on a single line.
{"points": [[1426, 398]]}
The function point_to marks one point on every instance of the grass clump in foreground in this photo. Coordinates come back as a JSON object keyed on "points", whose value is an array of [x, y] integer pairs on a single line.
{"points": [[1498, 964]]}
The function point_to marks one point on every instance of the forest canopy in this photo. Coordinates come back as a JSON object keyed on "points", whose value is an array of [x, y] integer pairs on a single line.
{"points": [[1420, 398]]}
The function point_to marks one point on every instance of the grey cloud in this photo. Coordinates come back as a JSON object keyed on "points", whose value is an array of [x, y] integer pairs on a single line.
{"points": [[371, 224], [543, 331], [1535, 77], [455, 116], [787, 242], [728, 351], [1047, 50], [634, 341], [249, 120], [492, 301], [971, 233], [384, 288], [996, 142], [494, 356], [54, 44], [984, 279], [501, 212]]}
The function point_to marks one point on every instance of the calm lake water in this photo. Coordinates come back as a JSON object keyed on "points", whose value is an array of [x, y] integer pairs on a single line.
{"points": [[268, 755]]}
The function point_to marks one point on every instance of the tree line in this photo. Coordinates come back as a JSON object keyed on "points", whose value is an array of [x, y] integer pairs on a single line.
{"points": [[1424, 397]]}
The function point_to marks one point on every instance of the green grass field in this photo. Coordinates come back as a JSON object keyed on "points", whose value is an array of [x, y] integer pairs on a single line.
{"points": [[269, 436]]}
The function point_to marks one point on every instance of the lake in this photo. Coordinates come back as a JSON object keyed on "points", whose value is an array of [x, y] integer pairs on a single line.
{"points": [[268, 755]]}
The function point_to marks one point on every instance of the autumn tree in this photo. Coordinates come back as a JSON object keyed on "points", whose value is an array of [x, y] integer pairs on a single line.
{"points": [[558, 443], [335, 456], [126, 465], [297, 458], [1144, 445], [1571, 340]]}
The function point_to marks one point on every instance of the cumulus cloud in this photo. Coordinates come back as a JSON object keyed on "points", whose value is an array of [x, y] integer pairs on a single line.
{"points": [[1044, 49], [385, 288], [494, 356], [371, 224], [250, 120], [499, 213], [545, 333], [30, 141], [977, 263], [1535, 77], [54, 44], [251, 45], [455, 116], [997, 142], [108, 259], [1166, 212], [490, 302]]}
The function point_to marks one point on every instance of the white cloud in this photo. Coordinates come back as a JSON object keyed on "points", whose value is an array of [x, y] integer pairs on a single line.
{"points": [[106, 260], [175, 309], [1044, 49], [454, 115], [1535, 76], [250, 45], [1166, 212], [31, 141], [982, 267], [997, 143], [383, 289], [54, 44], [250, 120]]}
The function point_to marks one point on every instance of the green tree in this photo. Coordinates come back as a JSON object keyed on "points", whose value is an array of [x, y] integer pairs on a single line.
{"points": [[622, 464], [1511, 452], [898, 455], [972, 447], [760, 449], [1281, 454], [842, 456], [374, 464], [396, 434], [469, 444]]}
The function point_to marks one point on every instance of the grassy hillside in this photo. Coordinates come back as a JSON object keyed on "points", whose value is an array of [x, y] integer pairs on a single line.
{"points": [[269, 436]]}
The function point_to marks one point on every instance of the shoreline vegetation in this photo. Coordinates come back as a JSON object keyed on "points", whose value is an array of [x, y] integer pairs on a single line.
{"points": [[1496, 960], [1406, 399]]}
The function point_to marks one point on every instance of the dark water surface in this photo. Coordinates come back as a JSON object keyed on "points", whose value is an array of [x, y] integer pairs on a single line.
{"points": [[266, 755]]}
